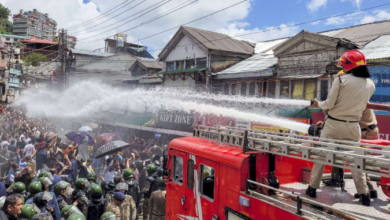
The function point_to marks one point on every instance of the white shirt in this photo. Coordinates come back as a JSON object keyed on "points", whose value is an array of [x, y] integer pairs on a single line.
{"points": [[3, 143], [29, 149]]}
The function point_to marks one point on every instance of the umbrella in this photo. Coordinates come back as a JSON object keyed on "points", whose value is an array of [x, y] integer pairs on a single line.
{"points": [[109, 148], [78, 137], [85, 128]]}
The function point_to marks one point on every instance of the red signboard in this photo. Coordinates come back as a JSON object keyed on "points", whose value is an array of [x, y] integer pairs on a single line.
{"points": [[383, 124]]}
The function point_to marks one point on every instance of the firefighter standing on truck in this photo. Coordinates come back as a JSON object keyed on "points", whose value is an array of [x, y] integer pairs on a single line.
{"points": [[369, 128], [345, 104]]}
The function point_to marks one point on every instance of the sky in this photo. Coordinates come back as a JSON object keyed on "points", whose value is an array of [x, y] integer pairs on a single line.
{"points": [[91, 21]]}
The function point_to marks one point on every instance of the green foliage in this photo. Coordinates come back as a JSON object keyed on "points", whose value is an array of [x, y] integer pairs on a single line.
{"points": [[4, 12], [34, 59], [5, 24]]}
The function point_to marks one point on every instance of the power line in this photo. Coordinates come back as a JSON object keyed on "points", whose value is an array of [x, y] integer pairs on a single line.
{"points": [[261, 31], [81, 32], [102, 15], [143, 23]]}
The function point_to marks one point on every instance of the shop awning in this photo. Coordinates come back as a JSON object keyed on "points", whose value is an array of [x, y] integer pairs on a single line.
{"points": [[302, 76]]}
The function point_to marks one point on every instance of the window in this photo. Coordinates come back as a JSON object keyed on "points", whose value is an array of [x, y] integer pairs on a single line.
{"points": [[284, 89], [297, 89], [7, 38], [243, 89], [178, 169], [170, 66], [180, 65], [310, 89], [324, 89], [190, 174], [206, 181], [252, 89], [271, 89]]}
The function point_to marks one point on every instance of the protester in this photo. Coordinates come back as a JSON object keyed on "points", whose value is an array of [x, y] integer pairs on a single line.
{"points": [[12, 207]]}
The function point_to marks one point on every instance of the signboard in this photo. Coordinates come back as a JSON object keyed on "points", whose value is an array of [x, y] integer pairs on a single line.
{"points": [[213, 120], [157, 135], [243, 124], [383, 124], [180, 121], [381, 78], [15, 71], [271, 128]]}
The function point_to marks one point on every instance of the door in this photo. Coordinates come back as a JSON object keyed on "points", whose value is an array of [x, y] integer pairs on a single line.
{"points": [[207, 188], [176, 197]]}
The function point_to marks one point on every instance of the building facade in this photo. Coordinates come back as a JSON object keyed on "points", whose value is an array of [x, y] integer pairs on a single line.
{"points": [[193, 54], [34, 24]]}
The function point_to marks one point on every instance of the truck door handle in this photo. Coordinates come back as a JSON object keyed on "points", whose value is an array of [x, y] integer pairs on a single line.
{"points": [[183, 201]]}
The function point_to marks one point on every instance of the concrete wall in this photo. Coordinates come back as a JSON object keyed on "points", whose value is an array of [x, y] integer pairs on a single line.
{"points": [[190, 51], [188, 84]]}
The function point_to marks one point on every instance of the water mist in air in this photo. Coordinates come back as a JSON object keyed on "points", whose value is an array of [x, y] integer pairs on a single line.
{"points": [[86, 99]]}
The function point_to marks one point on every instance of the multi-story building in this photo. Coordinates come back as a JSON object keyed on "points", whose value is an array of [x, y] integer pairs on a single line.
{"points": [[72, 42], [34, 24]]}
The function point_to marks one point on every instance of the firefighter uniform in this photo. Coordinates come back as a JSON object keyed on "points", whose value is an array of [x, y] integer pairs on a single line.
{"points": [[157, 205], [346, 101], [369, 128], [368, 125]]}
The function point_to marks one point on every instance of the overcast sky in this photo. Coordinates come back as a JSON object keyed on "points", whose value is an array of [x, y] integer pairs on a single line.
{"points": [[247, 17]]}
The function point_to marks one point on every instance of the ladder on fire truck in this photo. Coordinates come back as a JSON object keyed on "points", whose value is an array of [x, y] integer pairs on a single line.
{"points": [[367, 158]]}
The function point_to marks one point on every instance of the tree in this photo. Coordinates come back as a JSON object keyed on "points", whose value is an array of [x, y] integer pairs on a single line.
{"points": [[5, 24], [4, 12], [34, 59]]}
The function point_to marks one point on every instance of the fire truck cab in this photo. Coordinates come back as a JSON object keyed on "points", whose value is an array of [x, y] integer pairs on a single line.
{"points": [[211, 180]]}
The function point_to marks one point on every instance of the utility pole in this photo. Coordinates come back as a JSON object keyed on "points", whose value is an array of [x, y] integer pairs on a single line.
{"points": [[63, 46]]}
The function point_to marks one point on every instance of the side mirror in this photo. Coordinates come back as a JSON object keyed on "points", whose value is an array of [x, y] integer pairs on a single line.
{"points": [[166, 171]]}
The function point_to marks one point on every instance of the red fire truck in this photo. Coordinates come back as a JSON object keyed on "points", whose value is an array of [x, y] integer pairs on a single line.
{"points": [[229, 173]]}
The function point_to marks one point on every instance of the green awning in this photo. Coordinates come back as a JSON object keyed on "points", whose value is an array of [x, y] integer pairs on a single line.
{"points": [[182, 71]]}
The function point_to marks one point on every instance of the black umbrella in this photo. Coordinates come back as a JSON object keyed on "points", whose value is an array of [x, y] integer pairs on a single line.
{"points": [[109, 148]]}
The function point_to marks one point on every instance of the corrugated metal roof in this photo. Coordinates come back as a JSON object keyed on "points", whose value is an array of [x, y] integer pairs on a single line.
{"points": [[377, 49], [92, 53], [152, 64], [15, 36], [222, 42], [258, 65], [363, 34]]}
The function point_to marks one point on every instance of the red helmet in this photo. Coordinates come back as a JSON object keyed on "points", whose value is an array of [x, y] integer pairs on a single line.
{"points": [[352, 59]]}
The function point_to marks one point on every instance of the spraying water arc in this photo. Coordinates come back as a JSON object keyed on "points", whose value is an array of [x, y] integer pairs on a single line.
{"points": [[86, 99]]}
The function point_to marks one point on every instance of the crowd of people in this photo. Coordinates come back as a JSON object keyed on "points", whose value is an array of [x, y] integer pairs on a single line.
{"points": [[41, 176]]}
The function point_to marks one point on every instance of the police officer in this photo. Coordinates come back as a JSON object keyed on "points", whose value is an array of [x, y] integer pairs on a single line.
{"points": [[92, 178], [108, 216], [150, 186], [46, 183], [97, 204], [28, 212], [133, 186], [60, 190], [48, 175], [79, 197], [34, 188], [41, 200], [115, 205], [157, 202], [70, 210], [17, 188], [110, 190], [345, 104], [128, 207]]}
